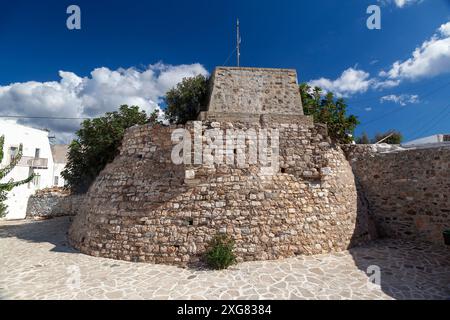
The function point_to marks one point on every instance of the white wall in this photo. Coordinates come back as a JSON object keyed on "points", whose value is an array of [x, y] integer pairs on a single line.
{"points": [[57, 169], [30, 139], [437, 138]]}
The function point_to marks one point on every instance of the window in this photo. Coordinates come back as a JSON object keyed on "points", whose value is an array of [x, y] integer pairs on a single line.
{"points": [[37, 181], [37, 153], [56, 181]]}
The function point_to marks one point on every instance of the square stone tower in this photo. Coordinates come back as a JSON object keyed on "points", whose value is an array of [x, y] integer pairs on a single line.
{"points": [[249, 93]]}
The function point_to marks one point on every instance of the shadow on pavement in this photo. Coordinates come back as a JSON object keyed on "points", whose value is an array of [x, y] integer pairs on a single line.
{"points": [[408, 269], [53, 231]]}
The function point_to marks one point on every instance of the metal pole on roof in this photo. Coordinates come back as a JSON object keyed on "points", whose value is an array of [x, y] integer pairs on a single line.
{"points": [[238, 43]]}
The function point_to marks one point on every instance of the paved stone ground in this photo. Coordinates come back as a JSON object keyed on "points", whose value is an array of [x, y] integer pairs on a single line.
{"points": [[37, 263]]}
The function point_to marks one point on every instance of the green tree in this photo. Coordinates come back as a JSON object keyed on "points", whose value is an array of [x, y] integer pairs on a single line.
{"points": [[390, 137], [330, 111], [364, 139], [8, 186], [154, 117], [97, 144], [184, 102]]}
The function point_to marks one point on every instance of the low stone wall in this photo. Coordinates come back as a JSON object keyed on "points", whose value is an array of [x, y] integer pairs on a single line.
{"points": [[53, 203], [143, 207], [407, 191]]}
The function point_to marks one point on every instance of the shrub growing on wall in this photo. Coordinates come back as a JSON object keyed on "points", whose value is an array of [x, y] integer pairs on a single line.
{"points": [[8, 186], [220, 252], [97, 144]]}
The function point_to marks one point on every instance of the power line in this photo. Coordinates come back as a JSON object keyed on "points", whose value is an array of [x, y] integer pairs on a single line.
{"points": [[232, 52], [363, 101], [382, 116], [434, 121], [402, 107], [420, 119], [42, 117]]}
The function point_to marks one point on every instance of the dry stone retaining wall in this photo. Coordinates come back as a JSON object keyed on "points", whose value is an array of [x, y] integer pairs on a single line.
{"points": [[53, 203], [408, 191]]}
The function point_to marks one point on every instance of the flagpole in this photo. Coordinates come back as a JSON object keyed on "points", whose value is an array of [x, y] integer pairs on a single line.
{"points": [[238, 42]]}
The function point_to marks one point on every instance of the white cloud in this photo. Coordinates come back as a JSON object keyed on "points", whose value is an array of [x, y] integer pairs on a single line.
{"points": [[402, 99], [368, 109], [104, 90], [430, 59], [400, 3], [385, 84], [445, 29], [353, 81], [350, 82]]}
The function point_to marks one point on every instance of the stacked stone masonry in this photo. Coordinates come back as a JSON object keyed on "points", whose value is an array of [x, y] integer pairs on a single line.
{"points": [[407, 191], [143, 207], [50, 203], [255, 91]]}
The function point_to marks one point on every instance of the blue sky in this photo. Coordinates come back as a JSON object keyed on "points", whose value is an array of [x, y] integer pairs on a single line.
{"points": [[133, 51]]}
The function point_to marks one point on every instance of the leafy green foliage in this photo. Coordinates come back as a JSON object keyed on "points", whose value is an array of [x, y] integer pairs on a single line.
{"points": [[330, 111], [184, 102], [98, 143], [220, 252], [8, 186], [392, 137]]}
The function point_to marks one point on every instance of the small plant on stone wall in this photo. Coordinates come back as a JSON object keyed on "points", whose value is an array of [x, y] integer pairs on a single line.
{"points": [[219, 254]]}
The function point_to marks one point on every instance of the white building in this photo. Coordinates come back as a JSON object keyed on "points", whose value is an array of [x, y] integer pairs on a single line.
{"points": [[37, 158], [436, 139], [59, 153]]}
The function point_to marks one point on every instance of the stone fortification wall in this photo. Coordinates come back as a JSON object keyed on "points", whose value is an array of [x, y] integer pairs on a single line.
{"points": [[143, 207], [407, 191]]}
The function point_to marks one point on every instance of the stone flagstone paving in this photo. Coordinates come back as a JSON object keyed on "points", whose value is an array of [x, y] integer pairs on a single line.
{"points": [[37, 263]]}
